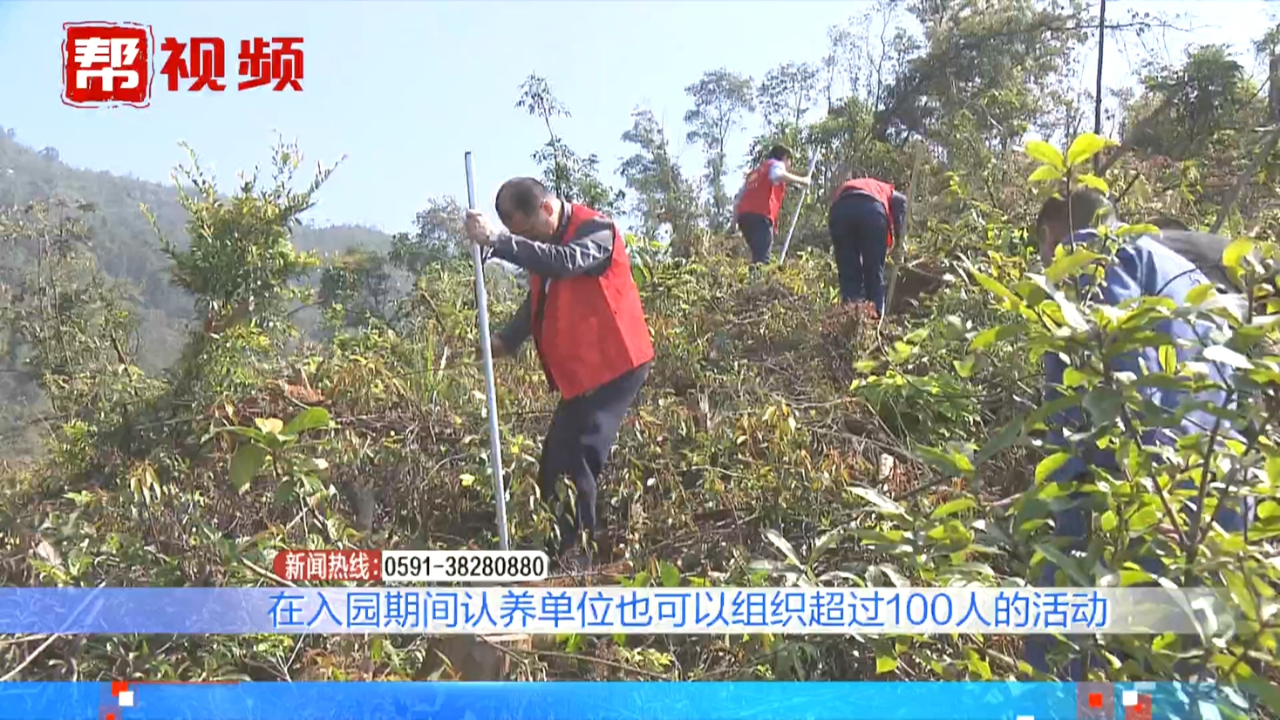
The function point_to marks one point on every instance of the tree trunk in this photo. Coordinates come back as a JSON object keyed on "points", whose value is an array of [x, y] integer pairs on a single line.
{"points": [[1097, 98], [483, 659], [1273, 88]]}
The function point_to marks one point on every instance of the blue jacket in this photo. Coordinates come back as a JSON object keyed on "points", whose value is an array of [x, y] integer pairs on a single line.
{"points": [[1143, 267]]}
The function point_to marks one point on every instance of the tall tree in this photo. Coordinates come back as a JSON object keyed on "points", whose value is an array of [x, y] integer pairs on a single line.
{"points": [[241, 263], [1185, 107], [987, 69], [537, 98], [437, 236], [662, 197], [788, 92], [574, 178], [64, 326], [869, 51], [359, 282], [720, 99]]}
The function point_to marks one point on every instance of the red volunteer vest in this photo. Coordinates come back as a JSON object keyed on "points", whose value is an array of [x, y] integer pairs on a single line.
{"points": [[881, 191], [760, 196], [589, 330]]}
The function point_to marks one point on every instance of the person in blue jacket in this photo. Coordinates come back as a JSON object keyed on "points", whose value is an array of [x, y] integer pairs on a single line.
{"points": [[1142, 267]]}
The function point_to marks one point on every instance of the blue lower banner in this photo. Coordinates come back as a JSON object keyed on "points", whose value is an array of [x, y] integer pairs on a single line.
{"points": [[612, 701], [612, 610]]}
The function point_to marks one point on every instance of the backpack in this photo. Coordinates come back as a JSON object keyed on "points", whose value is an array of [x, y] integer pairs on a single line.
{"points": [[1164, 222], [1204, 250]]}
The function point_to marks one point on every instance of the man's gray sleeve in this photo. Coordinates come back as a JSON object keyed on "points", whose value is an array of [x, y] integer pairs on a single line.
{"points": [[588, 252], [518, 327], [898, 211]]}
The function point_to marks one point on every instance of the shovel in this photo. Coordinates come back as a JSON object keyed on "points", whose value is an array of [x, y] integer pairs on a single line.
{"points": [[495, 444], [900, 248], [813, 162]]}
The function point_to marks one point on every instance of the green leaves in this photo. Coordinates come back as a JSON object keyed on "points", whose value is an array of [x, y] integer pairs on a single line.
{"points": [[995, 287], [1104, 405], [977, 665], [309, 419], [1045, 173], [1108, 521], [1085, 147], [825, 543], [1047, 154], [1267, 692], [668, 574], [990, 336], [949, 462], [241, 263], [245, 464], [682, 464], [1055, 167], [1095, 182], [953, 507], [1236, 252], [1138, 229], [1069, 264], [1048, 466], [272, 435], [879, 501], [275, 434], [1008, 435], [1198, 294], [899, 351], [1067, 564]]}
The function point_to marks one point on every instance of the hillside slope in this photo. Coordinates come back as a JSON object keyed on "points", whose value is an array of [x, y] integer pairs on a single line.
{"points": [[781, 438], [125, 245], [126, 249]]}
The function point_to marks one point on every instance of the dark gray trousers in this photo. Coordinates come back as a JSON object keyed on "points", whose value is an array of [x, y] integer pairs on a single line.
{"points": [[757, 230], [582, 433]]}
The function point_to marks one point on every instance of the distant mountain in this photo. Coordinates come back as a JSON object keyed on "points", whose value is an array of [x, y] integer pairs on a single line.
{"points": [[125, 244]]}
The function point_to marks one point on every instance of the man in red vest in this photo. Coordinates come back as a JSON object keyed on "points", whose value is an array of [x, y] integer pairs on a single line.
{"points": [[760, 199], [584, 314], [866, 216]]}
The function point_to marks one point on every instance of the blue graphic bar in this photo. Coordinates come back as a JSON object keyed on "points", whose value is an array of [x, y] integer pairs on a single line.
{"points": [[590, 701], [605, 610]]}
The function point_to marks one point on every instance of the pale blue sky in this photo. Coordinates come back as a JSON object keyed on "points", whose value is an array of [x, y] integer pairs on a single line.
{"points": [[404, 88]]}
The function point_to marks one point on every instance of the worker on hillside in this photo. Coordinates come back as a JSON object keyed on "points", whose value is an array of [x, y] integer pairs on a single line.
{"points": [[584, 314], [1142, 267], [758, 202], [866, 216]]}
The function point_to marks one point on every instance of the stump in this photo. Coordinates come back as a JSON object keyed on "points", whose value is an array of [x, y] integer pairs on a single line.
{"points": [[912, 284], [483, 659]]}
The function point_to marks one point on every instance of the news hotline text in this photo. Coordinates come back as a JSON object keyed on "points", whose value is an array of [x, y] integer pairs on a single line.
{"points": [[411, 565]]}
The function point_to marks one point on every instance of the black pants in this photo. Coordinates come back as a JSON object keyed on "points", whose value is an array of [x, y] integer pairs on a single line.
{"points": [[583, 430], [859, 229], [758, 232]]}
